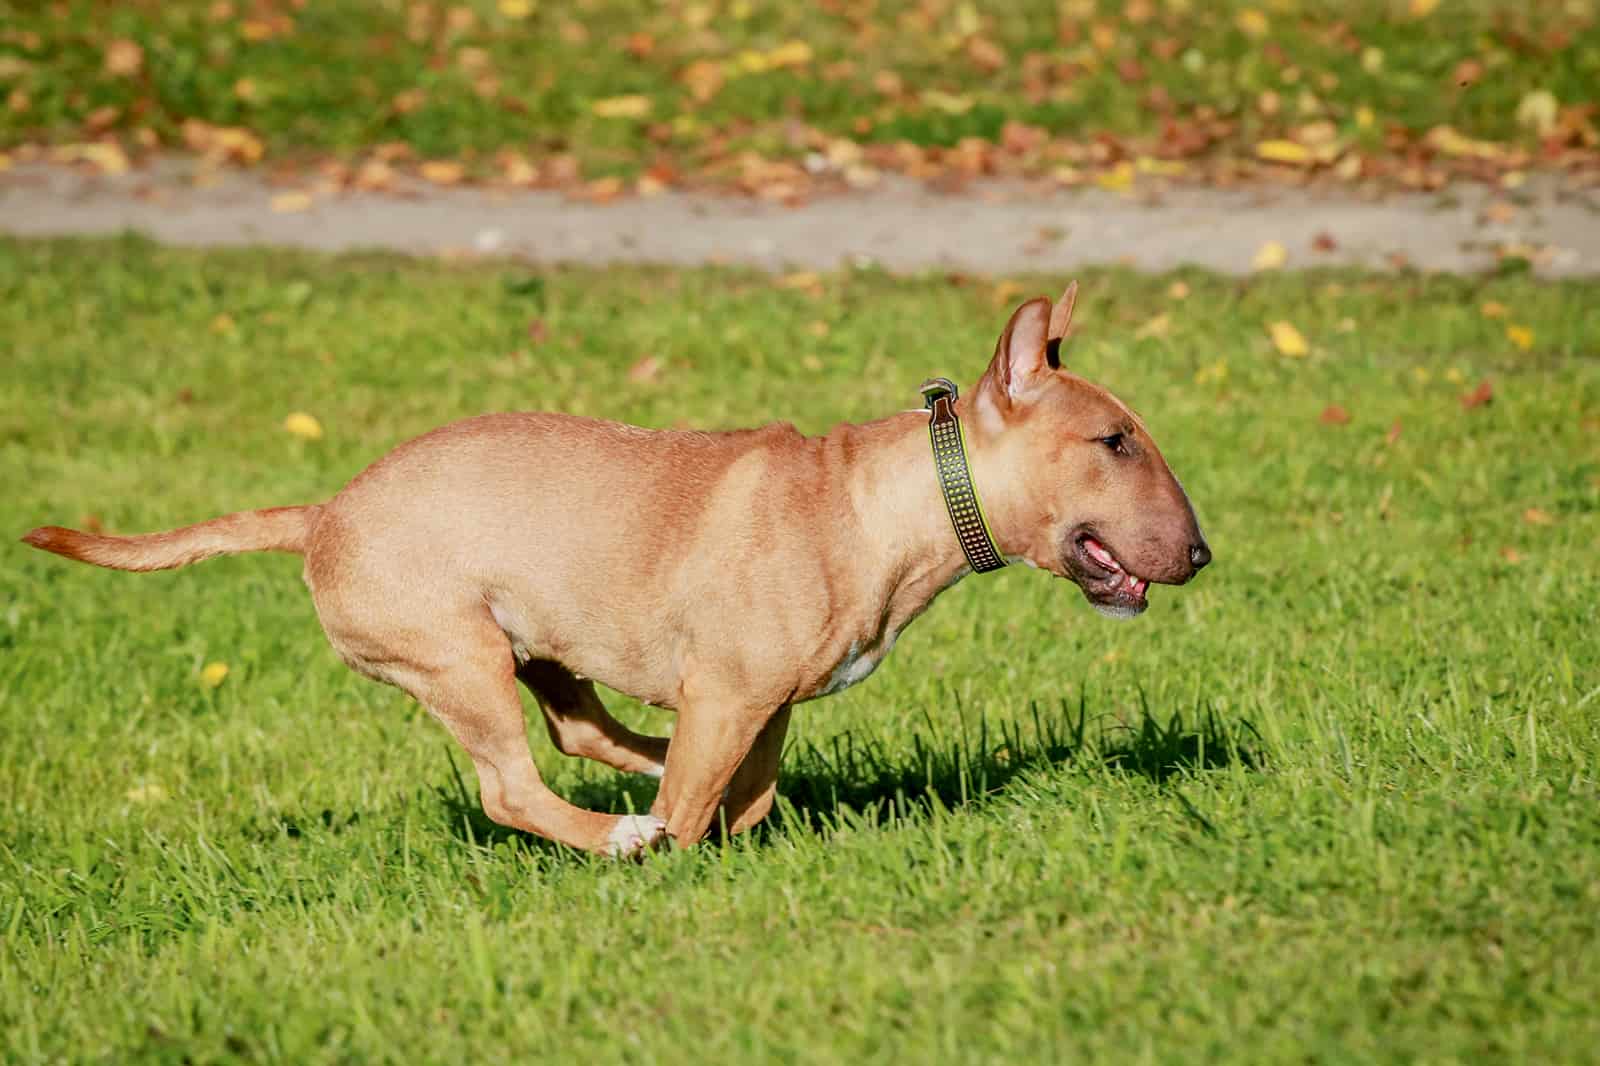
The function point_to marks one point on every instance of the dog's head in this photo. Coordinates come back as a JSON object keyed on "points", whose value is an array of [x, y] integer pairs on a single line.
{"points": [[1069, 476]]}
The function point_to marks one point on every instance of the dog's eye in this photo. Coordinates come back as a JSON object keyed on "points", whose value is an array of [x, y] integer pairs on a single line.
{"points": [[1114, 442]]}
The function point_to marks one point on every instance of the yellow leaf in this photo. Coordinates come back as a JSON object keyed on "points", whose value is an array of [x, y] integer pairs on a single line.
{"points": [[1538, 111], [1118, 179], [303, 426], [516, 9], [1158, 326], [222, 323], [145, 794], [442, 171], [633, 105], [1521, 336], [1288, 340], [789, 54], [1371, 59], [967, 21], [1365, 117], [105, 156], [286, 203], [1454, 375], [1252, 23], [1217, 371], [1284, 152], [1421, 9], [214, 674], [1494, 309], [803, 279], [1270, 256], [947, 102]]}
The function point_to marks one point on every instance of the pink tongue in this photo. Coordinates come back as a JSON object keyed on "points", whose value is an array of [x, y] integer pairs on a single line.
{"points": [[1100, 554]]}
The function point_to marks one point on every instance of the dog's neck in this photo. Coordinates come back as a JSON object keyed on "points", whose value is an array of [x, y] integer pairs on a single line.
{"points": [[893, 490]]}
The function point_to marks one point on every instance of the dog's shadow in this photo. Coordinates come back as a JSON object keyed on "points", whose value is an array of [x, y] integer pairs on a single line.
{"points": [[861, 778]]}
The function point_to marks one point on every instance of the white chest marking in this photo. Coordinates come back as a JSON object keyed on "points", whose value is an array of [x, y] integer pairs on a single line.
{"points": [[855, 666]]}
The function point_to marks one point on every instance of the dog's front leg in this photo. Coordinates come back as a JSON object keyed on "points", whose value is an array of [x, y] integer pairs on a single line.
{"points": [[710, 742]]}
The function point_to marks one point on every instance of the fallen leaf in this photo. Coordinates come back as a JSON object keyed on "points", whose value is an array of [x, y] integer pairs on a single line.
{"points": [[1281, 151], [810, 362], [1421, 9], [537, 331], [214, 674], [123, 58], [1288, 340], [288, 203], [1393, 435], [408, 100], [1270, 256], [633, 105], [1536, 516], [145, 793], [1499, 212], [222, 323], [1158, 326], [645, 370], [442, 171], [789, 54], [703, 78], [801, 279], [1178, 290], [1324, 242], [1511, 555], [516, 9], [304, 426], [1538, 111], [1494, 309], [1217, 371], [1252, 23], [1334, 415], [1521, 336], [1478, 396], [949, 103], [604, 190]]}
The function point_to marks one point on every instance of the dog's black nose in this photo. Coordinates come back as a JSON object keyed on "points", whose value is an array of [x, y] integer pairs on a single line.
{"points": [[1199, 555]]}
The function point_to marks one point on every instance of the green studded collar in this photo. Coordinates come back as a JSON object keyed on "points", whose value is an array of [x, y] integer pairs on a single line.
{"points": [[955, 478]]}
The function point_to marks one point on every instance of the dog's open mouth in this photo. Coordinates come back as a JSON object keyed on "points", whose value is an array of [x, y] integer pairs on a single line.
{"points": [[1109, 586]]}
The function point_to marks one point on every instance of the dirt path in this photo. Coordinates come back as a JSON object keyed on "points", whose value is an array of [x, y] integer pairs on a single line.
{"points": [[990, 229]]}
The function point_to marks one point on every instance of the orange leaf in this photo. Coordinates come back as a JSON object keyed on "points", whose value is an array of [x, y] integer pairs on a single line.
{"points": [[1535, 516], [1334, 415], [123, 58], [1521, 336], [1478, 396]]}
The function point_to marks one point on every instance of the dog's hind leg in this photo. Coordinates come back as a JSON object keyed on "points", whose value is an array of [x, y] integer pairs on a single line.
{"points": [[475, 695], [580, 724]]}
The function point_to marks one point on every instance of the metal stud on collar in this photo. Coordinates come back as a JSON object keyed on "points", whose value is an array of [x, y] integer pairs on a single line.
{"points": [[955, 477]]}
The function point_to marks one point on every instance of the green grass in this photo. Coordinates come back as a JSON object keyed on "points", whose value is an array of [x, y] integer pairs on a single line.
{"points": [[464, 80], [1336, 800]]}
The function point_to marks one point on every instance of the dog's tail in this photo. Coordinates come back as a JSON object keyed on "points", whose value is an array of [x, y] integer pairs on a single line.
{"points": [[277, 529]]}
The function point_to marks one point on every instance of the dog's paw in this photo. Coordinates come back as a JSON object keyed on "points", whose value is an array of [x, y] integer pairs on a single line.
{"points": [[635, 833]]}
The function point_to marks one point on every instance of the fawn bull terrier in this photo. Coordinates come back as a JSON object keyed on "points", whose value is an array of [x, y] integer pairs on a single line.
{"points": [[726, 576]]}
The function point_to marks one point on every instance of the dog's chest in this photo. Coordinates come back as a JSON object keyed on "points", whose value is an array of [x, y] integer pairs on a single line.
{"points": [[857, 664]]}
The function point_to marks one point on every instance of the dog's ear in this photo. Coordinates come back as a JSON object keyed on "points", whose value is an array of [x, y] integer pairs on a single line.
{"points": [[1060, 322], [1019, 360]]}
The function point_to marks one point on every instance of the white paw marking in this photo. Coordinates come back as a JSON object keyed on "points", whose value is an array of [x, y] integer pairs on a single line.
{"points": [[655, 771], [634, 833]]}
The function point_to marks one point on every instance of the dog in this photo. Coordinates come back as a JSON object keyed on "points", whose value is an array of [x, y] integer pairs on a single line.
{"points": [[726, 576]]}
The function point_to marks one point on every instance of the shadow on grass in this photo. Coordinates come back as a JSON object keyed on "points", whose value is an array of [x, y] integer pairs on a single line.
{"points": [[867, 780]]}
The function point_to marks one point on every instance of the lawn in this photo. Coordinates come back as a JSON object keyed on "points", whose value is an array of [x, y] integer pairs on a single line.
{"points": [[1336, 800], [544, 93]]}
